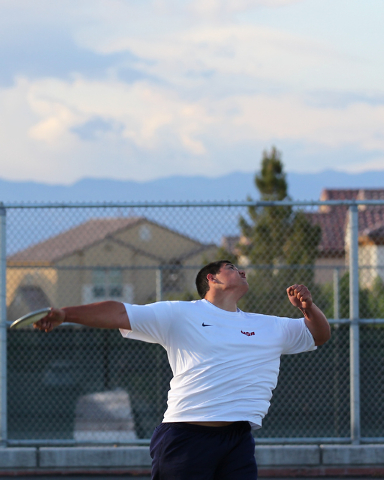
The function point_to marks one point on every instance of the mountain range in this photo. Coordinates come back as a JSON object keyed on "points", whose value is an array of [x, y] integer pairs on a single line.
{"points": [[233, 186]]}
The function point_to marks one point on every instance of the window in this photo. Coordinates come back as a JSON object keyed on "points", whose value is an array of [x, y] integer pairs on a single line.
{"points": [[145, 233], [173, 277], [107, 283]]}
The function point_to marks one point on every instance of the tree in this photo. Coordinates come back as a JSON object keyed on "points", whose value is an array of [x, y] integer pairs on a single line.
{"points": [[375, 300], [367, 299], [264, 226], [278, 243]]}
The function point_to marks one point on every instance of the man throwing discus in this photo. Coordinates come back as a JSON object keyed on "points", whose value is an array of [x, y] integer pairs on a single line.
{"points": [[225, 365]]}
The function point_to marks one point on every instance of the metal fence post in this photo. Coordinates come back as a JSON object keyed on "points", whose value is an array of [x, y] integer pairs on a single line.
{"points": [[159, 298], [159, 284], [3, 331], [354, 325], [336, 294]]}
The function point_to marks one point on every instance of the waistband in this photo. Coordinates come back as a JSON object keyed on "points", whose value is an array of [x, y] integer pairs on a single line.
{"points": [[242, 425]]}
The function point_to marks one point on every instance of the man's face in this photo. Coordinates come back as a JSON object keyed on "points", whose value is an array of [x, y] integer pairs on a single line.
{"points": [[230, 277]]}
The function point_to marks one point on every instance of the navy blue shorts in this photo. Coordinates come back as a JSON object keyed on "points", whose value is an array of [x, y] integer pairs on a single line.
{"points": [[181, 451]]}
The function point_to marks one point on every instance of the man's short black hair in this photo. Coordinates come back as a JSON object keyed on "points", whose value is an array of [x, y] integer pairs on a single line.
{"points": [[202, 284]]}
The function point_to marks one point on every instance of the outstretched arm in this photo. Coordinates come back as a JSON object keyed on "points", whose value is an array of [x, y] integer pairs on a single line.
{"points": [[108, 314], [318, 325]]}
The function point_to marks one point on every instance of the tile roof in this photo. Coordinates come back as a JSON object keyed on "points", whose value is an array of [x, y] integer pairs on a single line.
{"points": [[332, 224], [73, 240], [333, 220], [370, 194], [375, 234], [371, 222], [339, 194]]}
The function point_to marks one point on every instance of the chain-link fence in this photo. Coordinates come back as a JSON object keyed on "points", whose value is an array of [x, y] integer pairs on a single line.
{"points": [[81, 385]]}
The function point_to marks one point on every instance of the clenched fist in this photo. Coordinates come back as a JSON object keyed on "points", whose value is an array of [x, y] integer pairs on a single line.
{"points": [[300, 296], [52, 320]]}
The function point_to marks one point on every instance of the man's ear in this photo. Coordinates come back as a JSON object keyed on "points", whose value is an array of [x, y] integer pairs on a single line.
{"points": [[211, 278]]}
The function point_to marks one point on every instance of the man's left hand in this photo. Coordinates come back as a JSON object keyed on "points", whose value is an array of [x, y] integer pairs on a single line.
{"points": [[300, 296]]}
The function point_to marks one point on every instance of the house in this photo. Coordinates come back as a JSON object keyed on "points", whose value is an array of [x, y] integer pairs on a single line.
{"points": [[334, 245], [334, 222], [101, 259]]}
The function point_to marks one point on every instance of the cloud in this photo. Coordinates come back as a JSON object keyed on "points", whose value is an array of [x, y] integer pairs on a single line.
{"points": [[69, 127], [288, 117], [150, 88], [96, 127], [140, 121], [237, 52], [157, 40], [50, 52], [224, 8], [118, 11], [374, 164]]}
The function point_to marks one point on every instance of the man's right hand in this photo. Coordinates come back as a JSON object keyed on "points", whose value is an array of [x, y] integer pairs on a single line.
{"points": [[108, 314], [54, 318]]}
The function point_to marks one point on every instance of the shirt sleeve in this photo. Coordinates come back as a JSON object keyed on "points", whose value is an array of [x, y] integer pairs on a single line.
{"points": [[149, 323], [297, 337]]}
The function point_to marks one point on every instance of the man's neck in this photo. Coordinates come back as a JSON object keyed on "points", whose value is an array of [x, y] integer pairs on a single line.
{"points": [[225, 303]]}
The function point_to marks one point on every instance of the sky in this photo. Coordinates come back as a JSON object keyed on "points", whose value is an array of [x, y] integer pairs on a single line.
{"points": [[144, 89]]}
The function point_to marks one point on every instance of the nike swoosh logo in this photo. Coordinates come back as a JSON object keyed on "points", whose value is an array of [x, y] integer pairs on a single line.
{"points": [[205, 325]]}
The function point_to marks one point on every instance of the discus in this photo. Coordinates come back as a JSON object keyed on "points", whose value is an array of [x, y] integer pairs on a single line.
{"points": [[30, 318]]}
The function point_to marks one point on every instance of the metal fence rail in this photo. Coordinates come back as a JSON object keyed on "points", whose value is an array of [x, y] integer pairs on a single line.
{"points": [[99, 388]]}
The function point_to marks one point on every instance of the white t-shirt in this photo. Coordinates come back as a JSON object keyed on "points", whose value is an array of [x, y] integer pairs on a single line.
{"points": [[225, 364]]}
